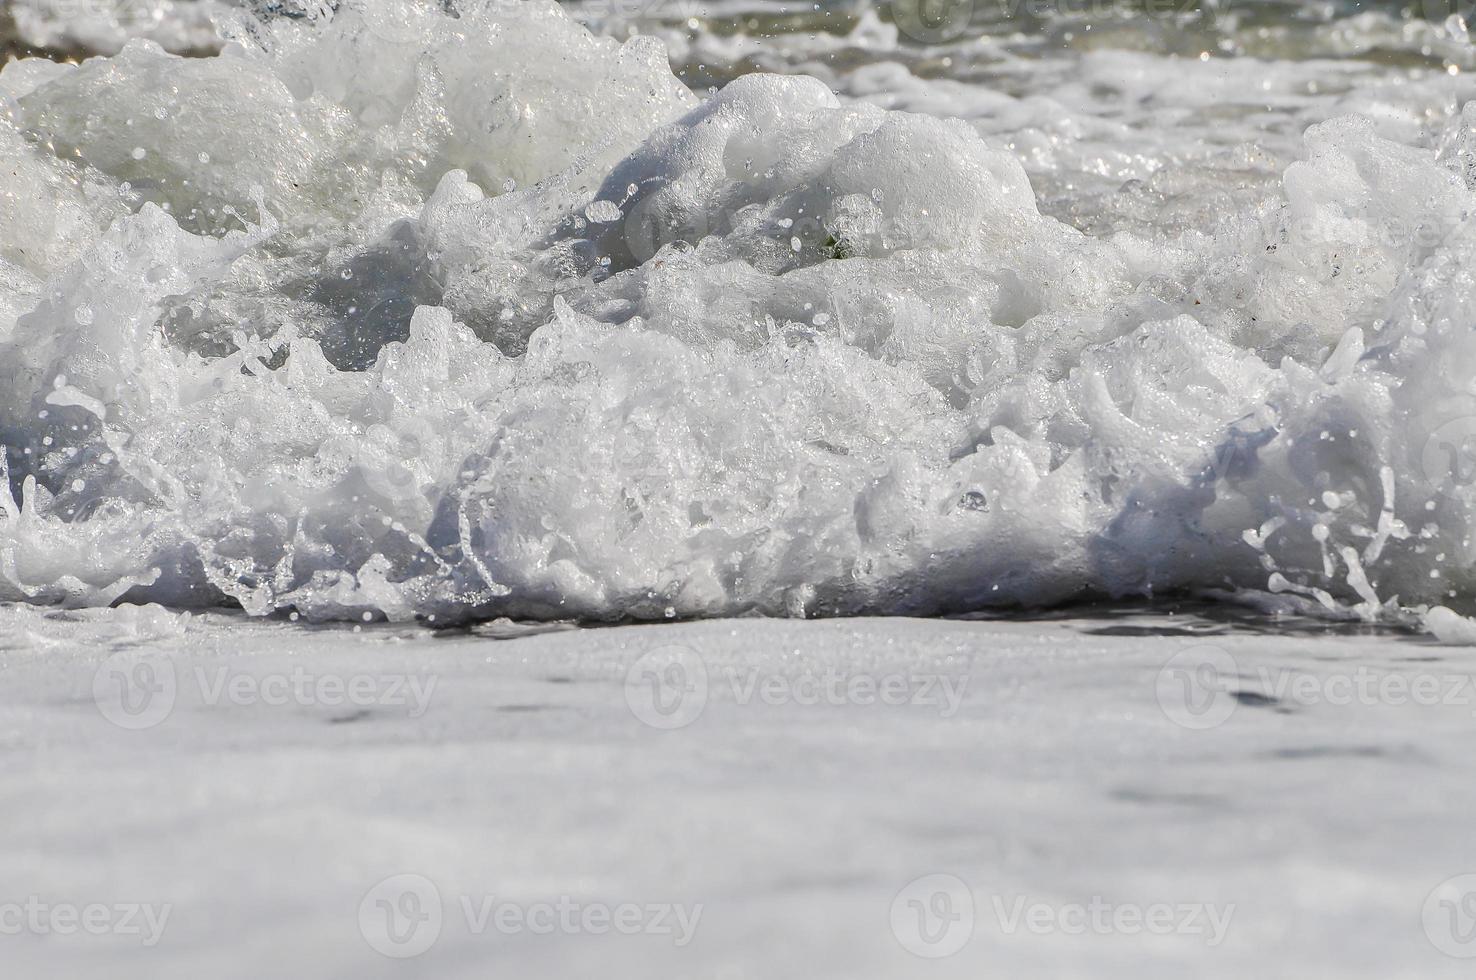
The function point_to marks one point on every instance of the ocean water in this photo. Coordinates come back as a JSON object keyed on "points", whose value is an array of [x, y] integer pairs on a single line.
{"points": [[322, 323], [707, 310], [636, 311]]}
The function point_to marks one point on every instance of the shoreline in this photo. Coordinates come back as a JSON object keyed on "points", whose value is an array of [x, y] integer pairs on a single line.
{"points": [[801, 781]]}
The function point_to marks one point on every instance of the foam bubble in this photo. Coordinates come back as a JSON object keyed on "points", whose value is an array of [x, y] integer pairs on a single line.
{"points": [[369, 327]]}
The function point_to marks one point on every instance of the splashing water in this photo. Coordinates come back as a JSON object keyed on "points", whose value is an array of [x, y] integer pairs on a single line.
{"points": [[420, 310]]}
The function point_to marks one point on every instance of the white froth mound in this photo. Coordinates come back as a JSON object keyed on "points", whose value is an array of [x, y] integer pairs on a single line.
{"points": [[406, 313]]}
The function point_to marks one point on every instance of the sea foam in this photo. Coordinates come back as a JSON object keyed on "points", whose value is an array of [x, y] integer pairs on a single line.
{"points": [[449, 311]]}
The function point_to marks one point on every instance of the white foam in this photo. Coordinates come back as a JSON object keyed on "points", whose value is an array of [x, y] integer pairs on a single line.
{"points": [[421, 314]]}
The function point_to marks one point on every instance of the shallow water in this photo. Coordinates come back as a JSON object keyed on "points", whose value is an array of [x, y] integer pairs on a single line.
{"points": [[417, 312], [268, 782]]}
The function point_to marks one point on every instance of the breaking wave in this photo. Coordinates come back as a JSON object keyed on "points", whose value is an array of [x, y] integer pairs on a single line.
{"points": [[445, 311]]}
